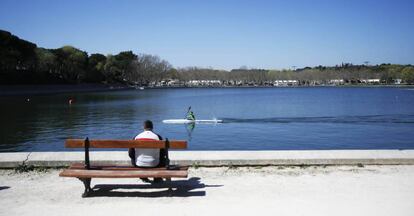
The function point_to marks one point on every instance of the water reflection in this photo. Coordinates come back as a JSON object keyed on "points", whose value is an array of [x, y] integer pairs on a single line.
{"points": [[15, 126], [44, 122], [189, 128]]}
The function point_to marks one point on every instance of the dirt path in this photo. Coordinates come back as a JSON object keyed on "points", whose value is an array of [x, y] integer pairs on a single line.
{"points": [[371, 190]]}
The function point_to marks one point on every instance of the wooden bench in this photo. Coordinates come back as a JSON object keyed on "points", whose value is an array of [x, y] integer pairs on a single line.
{"points": [[86, 171]]}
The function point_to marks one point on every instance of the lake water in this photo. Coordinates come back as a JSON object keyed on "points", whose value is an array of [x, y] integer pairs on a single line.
{"points": [[253, 118]]}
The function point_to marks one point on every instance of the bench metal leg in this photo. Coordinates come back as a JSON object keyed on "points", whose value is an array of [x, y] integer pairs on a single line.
{"points": [[87, 184], [170, 190]]}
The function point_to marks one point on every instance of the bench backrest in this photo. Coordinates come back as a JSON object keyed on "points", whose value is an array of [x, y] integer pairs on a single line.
{"points": [[172, 144], [161, 144]]}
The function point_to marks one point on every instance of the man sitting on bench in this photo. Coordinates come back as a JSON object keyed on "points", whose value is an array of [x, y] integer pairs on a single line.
{"points": [[145, 157]]}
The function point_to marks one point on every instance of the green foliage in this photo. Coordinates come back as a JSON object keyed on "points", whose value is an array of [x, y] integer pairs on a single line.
{"points": [[196, 165], [22, 168], [172, 74], [17, 59], [408, 74], [46, 66], [231, 166], [95, 71], [112, 72], [72, 63], [116, 66]]}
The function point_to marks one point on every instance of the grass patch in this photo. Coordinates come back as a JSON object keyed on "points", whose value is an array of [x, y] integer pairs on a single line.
{"points": [[196, 165], [232, 166], [23, 168]]}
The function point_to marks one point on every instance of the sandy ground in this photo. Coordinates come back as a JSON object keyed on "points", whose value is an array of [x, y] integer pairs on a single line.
{"points": [[344, 190]]}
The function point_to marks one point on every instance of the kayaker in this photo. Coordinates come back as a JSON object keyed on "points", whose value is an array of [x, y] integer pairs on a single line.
{"points": [[190, 114]]}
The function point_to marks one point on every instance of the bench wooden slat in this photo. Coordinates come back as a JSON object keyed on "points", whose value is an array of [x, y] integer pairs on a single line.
{"points": [[124, 174], [80, 143], [81, 166]]}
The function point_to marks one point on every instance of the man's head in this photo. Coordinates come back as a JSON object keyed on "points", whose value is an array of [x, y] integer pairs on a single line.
{"points": [[148, 125]]}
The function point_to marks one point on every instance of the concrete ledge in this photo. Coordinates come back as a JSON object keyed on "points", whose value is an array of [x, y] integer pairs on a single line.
{"points": [[221, 158]]}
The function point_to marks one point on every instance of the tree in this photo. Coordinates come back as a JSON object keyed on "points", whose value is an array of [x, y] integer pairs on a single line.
{"points": [[17, 59], [95, 72], [408, 74], [149, 68], [72, 64], [46, 66], [117, 68], [172, 73]]}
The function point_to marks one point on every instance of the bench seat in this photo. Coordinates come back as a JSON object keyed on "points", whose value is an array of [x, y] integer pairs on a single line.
{"points": [[122, 167], [155, 173], [78, 170]]}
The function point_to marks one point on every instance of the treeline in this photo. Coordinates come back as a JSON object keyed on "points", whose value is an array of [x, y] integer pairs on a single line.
{"points": [[22, 62], [386, 73]]}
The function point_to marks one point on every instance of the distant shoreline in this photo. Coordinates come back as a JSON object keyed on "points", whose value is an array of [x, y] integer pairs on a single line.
{"points": [[30, 90], [293, 86]]}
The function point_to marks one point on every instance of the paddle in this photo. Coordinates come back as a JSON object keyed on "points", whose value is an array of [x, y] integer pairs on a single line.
{"points": [[189, 108]]}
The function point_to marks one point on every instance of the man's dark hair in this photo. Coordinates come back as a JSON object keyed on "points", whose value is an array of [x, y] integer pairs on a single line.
{"points": [[148, 125]]}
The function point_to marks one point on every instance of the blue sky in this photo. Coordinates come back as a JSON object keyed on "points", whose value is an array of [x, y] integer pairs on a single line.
{"points": [[223, 34]]}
